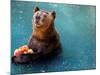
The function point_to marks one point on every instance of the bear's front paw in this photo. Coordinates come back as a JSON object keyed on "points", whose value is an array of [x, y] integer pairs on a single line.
{"points": [[22, 54], [23, 50]]}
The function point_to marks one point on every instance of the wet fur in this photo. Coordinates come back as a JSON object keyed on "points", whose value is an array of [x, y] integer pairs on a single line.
{"points": [[44, 41]]}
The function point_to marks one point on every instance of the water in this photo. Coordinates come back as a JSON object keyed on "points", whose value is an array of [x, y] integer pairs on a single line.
{"points": [[77, 28]]}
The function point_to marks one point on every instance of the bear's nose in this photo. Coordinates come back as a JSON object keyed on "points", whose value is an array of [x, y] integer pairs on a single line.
{"points": [[37, 17]]}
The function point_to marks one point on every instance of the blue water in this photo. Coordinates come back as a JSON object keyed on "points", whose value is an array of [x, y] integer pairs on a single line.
{"points": [[76, 25]]}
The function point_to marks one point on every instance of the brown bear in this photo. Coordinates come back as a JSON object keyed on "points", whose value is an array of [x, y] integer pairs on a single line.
{"points": [[44, 39]]}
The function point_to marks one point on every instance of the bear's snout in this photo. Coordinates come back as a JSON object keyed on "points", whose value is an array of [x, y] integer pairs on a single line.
{"points": [[37, 17]]}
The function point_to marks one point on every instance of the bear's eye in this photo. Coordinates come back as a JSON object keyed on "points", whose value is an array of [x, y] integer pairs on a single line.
{"points": [[45, 16], [47, 13]]}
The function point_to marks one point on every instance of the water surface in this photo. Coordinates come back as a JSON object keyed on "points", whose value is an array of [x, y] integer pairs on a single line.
{"points": [[77, 29]]}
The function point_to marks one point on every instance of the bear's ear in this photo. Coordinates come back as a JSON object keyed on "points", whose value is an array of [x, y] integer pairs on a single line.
{"points": [[36, 9], [53, 14]]}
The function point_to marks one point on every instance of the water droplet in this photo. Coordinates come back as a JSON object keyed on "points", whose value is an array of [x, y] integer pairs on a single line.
{"points": [[20, 11], [20, 17], [42, 70], [63, 63]]}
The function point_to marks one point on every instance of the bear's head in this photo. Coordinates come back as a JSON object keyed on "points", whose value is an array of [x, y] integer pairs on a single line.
{"points": [[43, 19]]}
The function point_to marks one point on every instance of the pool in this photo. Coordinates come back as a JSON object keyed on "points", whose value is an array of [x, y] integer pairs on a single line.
{"points": [[76, 25]]}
